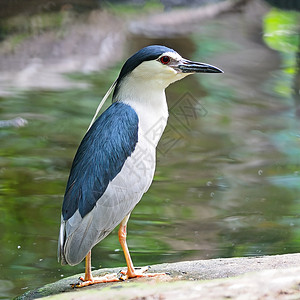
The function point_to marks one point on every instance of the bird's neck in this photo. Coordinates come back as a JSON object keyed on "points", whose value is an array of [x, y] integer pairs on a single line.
{"points": [[148, 99]]}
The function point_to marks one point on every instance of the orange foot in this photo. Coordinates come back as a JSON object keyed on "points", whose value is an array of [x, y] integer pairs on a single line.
{"points": [[121, 276], [93, 280], [137, 273]]}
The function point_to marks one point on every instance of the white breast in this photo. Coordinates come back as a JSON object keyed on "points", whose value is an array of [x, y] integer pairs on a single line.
{"points": [[146, 95]]}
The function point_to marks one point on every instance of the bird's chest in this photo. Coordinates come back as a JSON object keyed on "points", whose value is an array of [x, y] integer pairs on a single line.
{"points": [[137, 172], [141, 164], [152, 122]]}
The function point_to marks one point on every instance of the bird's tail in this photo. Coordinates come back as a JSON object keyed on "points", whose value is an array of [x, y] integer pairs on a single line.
{"points": [[75, 242], [61, 243]]}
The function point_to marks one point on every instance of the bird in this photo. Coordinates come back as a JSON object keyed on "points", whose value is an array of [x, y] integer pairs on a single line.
{"points": [[115, 162]]}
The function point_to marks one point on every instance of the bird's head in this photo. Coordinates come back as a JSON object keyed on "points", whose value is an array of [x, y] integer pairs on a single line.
{"points": [[157, 66]]}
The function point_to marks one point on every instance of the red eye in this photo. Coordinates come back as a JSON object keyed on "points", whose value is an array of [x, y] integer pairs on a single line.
{"points": [[165, 60]]}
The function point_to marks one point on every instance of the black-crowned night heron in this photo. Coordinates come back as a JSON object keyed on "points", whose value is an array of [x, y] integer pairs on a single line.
{"points": [[115, 162]]}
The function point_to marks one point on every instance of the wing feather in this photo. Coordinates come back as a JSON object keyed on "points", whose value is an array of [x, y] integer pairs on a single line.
{"points": [[100, 157], [90, 211]]}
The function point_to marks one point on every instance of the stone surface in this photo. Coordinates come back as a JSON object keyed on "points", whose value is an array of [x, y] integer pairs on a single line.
{"points": [[270, 277]]}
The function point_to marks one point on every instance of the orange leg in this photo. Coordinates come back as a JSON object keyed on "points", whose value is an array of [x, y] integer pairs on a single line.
{"points": [[131, 271], [88, 277], [88, 267], [122, 239]]}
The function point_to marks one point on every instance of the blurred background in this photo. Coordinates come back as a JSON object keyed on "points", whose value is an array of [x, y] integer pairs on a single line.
{"points": [[228, 175]]}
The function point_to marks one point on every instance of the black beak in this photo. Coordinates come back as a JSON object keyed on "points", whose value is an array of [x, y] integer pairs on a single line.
{"points": [[187, 66]]}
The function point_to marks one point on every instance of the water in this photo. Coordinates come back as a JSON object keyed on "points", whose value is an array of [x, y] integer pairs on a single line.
{"points": [[227, 180]]}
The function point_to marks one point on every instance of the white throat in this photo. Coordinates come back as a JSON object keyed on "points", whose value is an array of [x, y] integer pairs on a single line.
{"points": [[149, 101], [144, 90]]}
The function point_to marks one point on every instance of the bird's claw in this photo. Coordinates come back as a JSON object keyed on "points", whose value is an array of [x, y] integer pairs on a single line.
{"points": [[121, 275], [138, 272], [74, 285]]}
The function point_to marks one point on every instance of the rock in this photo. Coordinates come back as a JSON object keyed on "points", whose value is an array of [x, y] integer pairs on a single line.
{"points": [[271, 277]]}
